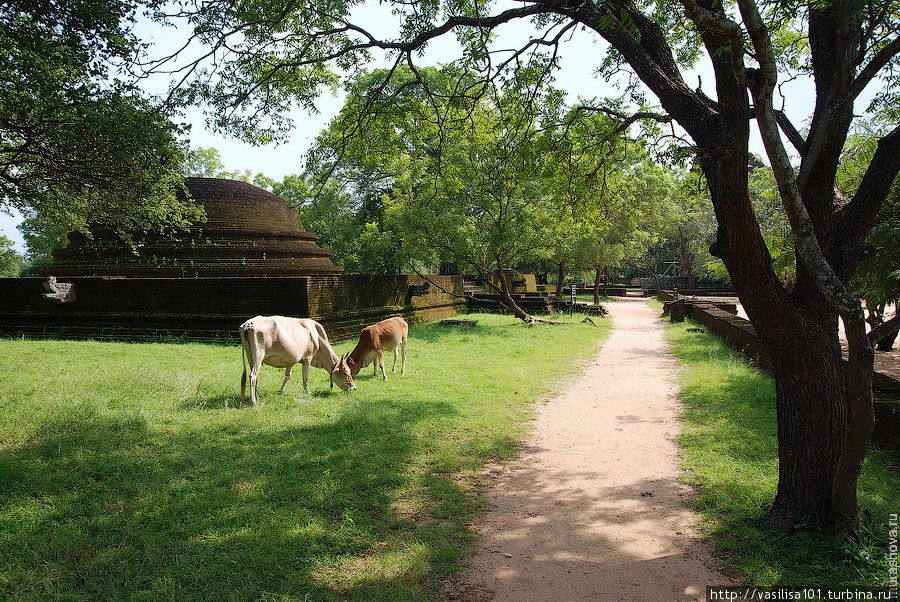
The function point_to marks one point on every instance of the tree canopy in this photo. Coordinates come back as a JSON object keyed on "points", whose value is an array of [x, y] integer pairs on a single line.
{"points": [[79, 143]]}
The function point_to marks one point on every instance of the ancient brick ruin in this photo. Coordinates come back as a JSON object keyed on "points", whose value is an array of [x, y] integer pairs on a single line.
{"points": [[251, 256]]}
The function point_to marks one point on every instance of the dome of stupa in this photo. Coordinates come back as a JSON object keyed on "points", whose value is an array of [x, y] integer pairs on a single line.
{"points": [[248, 231]]}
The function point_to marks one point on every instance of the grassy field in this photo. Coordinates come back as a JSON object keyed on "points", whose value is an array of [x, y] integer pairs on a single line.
{"points": [[129, 471], [730, 454]]}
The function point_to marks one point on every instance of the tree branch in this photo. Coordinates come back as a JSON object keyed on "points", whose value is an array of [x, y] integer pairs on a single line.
{"points": [[854, 220], [793, 134], [762, 85], [795, 137], [884, 330], [868, 73], [651, 57], [626, 121]]}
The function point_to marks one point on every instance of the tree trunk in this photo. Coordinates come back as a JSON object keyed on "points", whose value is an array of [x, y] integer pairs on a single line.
{"points": [[560, 278], [812, 417], [822, 417], [598, 273], [606, 281], [508, 301]]}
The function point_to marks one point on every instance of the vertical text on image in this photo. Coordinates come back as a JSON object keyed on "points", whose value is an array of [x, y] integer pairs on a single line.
{"points": [[892, 551]]}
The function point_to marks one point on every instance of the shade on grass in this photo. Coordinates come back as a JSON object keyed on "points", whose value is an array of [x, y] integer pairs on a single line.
{"points": [[730, 455], [128, 470]]}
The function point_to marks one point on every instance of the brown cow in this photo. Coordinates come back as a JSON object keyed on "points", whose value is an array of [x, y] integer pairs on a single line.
{"points": [[374, 340]]}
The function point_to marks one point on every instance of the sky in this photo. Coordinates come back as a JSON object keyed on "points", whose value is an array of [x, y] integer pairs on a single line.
{"points": [[580, 56]]}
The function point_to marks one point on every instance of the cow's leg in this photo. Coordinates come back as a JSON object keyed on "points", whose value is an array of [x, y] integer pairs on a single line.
{"points": [[403, 363], [305, 367], [396, 353], [254, 380], [381, 363], [375, 366], [244, 354], [287, 377]]}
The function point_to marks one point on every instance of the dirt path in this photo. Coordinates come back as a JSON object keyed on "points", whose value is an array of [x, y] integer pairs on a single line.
{"points": [[592, 509]]}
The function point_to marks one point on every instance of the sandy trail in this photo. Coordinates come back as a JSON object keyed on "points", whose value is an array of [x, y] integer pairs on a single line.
{"points": [[592, 509]]}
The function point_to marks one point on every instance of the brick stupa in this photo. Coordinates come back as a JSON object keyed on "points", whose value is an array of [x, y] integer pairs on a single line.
{"points": [[248, 232]]}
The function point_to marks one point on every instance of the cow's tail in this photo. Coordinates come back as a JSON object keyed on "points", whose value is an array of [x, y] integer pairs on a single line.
{"points": [[244, 343]]}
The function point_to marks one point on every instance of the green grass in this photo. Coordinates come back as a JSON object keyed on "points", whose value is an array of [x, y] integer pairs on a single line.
{"points": [[129, 471], [730, 455]]}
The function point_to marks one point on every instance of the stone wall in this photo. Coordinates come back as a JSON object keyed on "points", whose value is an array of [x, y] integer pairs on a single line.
{"points": [[736, 331], [213, 308], [740, 335]]}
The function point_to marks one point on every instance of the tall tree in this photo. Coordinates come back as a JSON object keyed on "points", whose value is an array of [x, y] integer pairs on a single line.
{"points": [[206, 162], [10, 259], [77, 142], [825, 414], [594, 173]]}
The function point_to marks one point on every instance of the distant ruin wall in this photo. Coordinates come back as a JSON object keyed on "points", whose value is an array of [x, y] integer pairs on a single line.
{"points": [[213, 308], [345, 304]]}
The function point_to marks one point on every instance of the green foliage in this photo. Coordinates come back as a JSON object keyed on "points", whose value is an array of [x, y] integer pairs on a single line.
{"points": [[43, 234], [354, 227], [10, 260], [479, 181], [268, 58], [680, 224], [130, 471], [772, 220], [608, 196], [425, 176], [480, 199], [730, 454], [695, 228], [77, 145], [206, 162], [878, 278]]}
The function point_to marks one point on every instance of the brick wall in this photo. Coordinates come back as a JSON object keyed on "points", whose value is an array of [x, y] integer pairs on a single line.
{"points": [[345, 304], [213, 308]]}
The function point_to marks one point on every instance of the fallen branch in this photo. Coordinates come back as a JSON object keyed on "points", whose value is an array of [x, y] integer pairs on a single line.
{"points": [[468, 296]]}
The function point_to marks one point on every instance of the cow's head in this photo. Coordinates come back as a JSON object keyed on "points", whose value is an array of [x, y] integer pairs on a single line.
{"points": [[341, 376]]}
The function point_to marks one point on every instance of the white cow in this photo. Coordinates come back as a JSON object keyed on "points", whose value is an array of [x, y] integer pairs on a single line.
{"points": [[283, 342]]}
